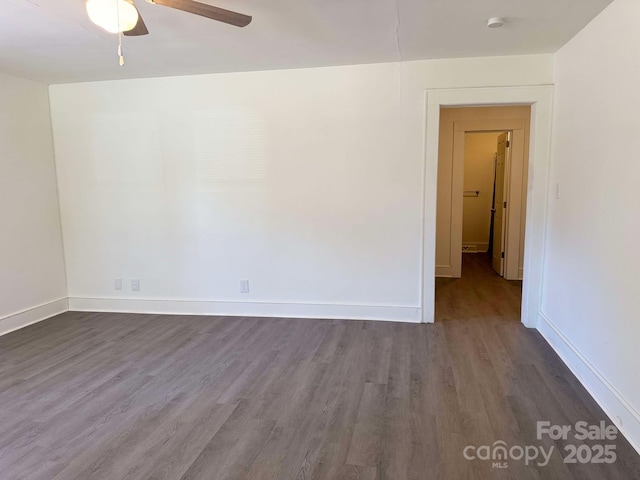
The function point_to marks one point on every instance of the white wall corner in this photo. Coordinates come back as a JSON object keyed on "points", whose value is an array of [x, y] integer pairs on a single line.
{"points": [[619, 410], [24, 318]]}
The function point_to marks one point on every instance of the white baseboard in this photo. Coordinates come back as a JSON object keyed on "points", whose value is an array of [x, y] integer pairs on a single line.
{"points": [[621, 412], [247, 309], [21, 319]]}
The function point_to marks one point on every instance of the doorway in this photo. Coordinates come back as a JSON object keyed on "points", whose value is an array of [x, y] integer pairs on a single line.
{"points": [[482, 293], [487, 158], [482, 199], [483, 212], [455, 124], [539, 99]]}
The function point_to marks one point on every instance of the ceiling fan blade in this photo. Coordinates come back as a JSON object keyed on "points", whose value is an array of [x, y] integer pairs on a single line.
{"points": [[209, 11], [139, 29]]}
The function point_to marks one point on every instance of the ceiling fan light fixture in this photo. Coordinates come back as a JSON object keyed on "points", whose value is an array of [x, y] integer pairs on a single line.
{"points": [[113, 15]]}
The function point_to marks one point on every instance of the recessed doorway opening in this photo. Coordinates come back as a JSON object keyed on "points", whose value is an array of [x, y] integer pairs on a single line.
{"points": [[483, 204], [539, 100], [481, 210]]}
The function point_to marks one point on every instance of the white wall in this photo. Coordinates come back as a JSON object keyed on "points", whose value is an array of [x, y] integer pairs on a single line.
{"points": [[305, 182], [591, 299], [32, 279], [479, 155]]}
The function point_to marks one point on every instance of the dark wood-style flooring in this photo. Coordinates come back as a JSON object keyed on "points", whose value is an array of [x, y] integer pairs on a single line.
{"points": [[119, 396]]}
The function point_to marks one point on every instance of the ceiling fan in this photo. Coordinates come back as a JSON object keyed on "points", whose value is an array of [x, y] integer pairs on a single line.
{"points": [[122, 16]]}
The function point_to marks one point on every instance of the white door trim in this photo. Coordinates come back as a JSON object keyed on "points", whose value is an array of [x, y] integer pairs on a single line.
{"points": [[540, 99]]}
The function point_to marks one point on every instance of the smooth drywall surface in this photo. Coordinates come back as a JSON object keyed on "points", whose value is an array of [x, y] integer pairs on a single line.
{"points": [[479, 155], [591, 299], [31, 258], [306, 183]]}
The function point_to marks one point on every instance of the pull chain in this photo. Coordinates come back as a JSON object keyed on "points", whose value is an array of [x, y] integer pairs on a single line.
{"points": [[120, 49], [119, 36]]}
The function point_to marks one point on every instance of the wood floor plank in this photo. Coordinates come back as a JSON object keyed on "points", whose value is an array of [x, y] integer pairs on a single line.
{"points": [[366, 444]]}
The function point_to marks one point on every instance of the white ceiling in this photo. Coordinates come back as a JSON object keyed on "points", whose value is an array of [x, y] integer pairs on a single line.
{"points": [[54, 42]]}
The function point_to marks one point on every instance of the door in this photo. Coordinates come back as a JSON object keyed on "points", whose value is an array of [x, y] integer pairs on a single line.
{"points": [[499, 219]]}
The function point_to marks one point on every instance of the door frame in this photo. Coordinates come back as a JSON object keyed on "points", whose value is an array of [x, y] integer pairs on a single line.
{"points": [[540, 99], [512, 233]]}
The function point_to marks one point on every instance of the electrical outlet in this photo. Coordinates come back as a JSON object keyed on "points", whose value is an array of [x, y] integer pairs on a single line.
{"points": [[135, 285], [244, 286], [117, 284]]}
